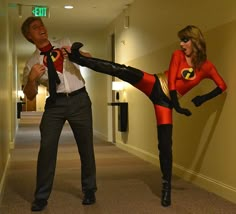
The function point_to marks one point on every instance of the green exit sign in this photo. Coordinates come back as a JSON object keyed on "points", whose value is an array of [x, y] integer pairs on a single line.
{"points": [[40, 11]]}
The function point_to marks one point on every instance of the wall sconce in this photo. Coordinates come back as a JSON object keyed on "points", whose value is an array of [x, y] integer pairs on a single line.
{"points": [[126, 22], [117, 86], [126, 17]]}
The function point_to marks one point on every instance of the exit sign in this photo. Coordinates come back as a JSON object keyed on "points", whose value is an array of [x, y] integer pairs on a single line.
{"points": [[40, 11]]}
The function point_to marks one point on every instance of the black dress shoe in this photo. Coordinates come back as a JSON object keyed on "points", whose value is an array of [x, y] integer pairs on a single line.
{"points": [[39, 205], [89, 198]]}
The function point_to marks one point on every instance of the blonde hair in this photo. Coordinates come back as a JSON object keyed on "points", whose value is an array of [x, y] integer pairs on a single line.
{"points": [[198, 42], [26, 25]]}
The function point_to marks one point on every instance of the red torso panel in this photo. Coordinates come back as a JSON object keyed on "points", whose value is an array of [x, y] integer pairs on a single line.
{"points": [[182, 77]]}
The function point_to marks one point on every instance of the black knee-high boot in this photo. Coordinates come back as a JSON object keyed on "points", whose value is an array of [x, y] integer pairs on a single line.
{"points": [[165, 156], [126, 73]]}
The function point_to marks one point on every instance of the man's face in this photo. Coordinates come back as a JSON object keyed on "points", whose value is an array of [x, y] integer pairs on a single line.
{"points": [[37, 32]]}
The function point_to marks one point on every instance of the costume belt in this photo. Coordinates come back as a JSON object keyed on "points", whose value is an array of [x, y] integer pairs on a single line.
{"points": [[164, 83]]}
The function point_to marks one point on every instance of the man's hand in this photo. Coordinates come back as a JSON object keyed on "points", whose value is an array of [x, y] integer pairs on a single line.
{"points": [[66, 50], [30, 88], [36, 72]]}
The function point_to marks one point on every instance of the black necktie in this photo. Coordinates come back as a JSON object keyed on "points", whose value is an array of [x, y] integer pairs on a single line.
{"points": [[52, 75]]}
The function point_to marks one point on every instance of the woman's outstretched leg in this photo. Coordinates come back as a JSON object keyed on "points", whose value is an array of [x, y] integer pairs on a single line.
{"points": [[123, 72]]}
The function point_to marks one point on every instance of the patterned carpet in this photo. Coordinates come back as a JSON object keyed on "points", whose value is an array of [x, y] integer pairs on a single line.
{"points": [[126, 184]]}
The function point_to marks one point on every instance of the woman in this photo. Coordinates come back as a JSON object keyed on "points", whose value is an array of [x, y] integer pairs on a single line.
{"points": [[188, 66]]}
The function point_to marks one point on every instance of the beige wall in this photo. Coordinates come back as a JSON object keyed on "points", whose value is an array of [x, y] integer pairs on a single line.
{"points": [[96, 83], [211, 136], [7, 91], [203, 143]]}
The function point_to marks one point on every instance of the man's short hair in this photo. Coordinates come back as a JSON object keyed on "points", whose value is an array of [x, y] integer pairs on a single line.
{"points": [[26, 24]]}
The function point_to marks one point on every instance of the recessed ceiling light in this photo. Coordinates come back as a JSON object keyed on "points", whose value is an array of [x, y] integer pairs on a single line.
{"points": [[68, 7]]}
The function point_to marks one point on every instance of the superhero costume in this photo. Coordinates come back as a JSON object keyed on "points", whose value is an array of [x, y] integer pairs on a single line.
{"points": [[163, 90], [51, 57], [56, 56]]}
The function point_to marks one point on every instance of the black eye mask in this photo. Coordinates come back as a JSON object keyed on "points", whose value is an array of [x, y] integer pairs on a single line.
{"points": [[185, 39]]}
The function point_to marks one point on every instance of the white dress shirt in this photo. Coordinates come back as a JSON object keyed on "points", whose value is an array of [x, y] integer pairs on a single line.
{"points": [[71, 78]]}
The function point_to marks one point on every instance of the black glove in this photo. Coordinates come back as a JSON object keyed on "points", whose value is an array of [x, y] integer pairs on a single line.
{"points": [[199, 100], [175, 102]]}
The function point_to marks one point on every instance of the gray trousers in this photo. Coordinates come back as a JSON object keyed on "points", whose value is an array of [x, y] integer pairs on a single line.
{"points": [[77, 111]]}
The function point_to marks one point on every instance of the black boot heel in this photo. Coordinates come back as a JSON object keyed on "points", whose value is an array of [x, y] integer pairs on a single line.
{"points": [[166, 194]]}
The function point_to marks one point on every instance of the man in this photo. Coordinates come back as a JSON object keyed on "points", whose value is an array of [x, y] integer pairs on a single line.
{"points": [[68, 101]]}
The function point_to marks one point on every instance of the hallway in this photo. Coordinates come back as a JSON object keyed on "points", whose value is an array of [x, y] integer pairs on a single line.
{"points": [[126, 184]]}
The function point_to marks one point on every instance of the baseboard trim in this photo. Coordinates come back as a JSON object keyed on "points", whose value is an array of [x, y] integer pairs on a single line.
{"points": [[3, 179], [139, 152], [12, 145], [100, 135], [211, 185]]}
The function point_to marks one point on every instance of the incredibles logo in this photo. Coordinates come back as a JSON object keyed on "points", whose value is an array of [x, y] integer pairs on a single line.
{"points": [[57, 58], [55, 55], [188, 73]]}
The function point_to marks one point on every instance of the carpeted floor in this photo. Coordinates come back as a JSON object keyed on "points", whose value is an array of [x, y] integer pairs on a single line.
{"points": [[126, 184]]}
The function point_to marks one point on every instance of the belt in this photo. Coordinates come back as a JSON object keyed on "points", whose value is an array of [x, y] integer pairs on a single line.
{"points": [[164, 83], [73, 93]]}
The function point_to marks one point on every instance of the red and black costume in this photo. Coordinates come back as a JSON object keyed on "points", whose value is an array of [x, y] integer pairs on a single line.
{"points": [[162, 90]]}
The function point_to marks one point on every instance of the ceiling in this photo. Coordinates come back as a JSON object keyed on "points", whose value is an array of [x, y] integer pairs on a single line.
{"points": [[86, 16], [89, 16]]}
